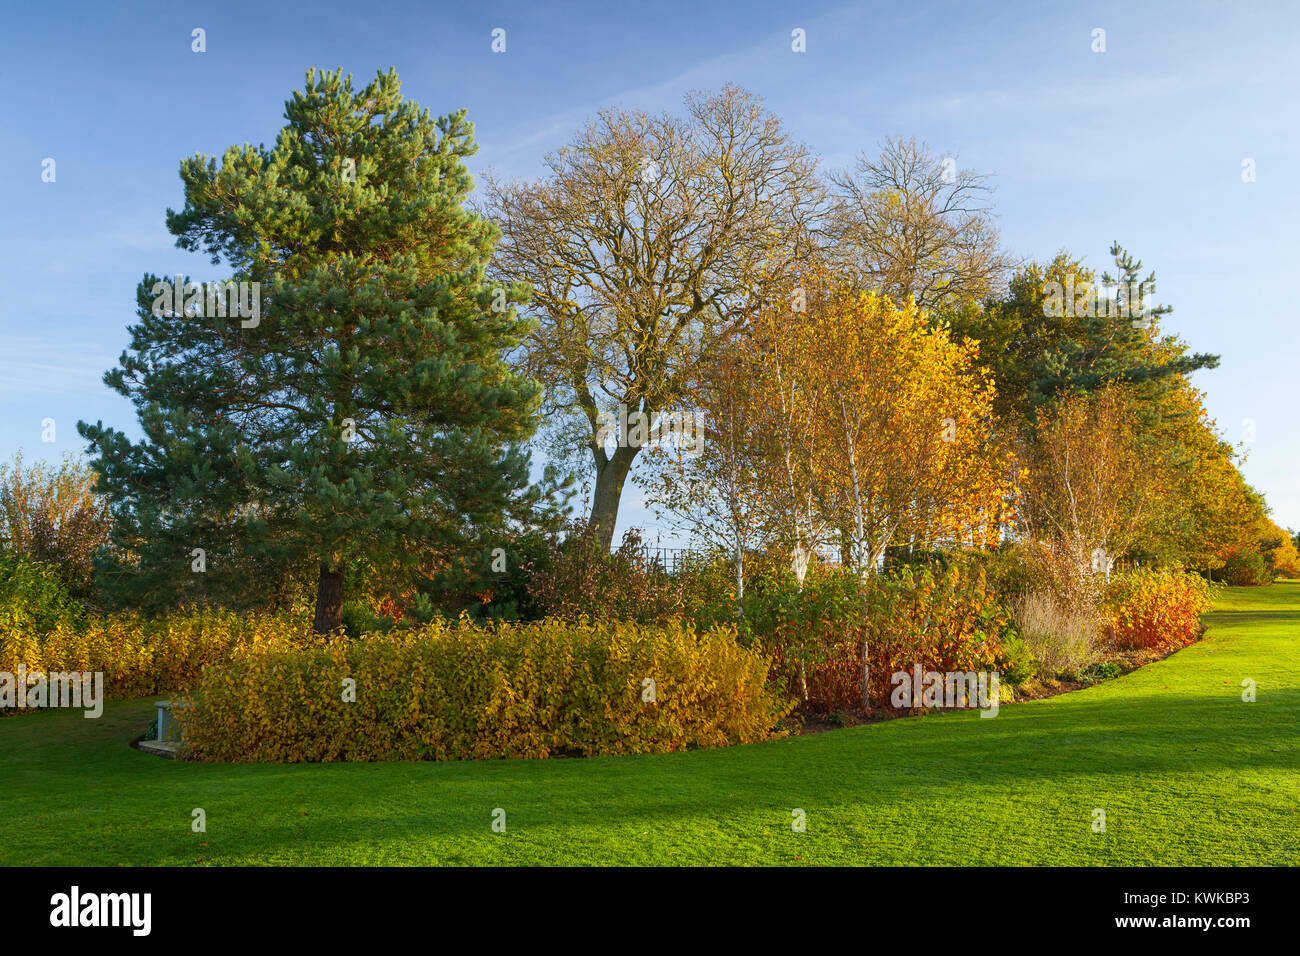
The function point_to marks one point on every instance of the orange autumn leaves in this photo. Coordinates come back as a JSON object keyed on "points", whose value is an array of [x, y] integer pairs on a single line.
{"points": [[866, 426]]}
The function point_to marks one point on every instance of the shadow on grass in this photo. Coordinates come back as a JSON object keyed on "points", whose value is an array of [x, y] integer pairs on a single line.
{"points": [[1245, 618], [1197, 746], [1149, 746]]}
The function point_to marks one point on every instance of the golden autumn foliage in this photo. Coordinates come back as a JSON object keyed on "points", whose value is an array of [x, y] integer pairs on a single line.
{"points": [[138, 655], [835, 412], [53, 515], [1206, 511], [1281, 550], [891, 426], [1091, 490], [1155, 609], [1261, 552], [463, 691]]}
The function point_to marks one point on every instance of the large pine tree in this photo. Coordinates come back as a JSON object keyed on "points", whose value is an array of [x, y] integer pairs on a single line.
{"points": [[1038, 354], [367, 415]]}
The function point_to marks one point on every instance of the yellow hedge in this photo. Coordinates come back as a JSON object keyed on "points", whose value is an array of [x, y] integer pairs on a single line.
{"points": [[140, 656], [464, 691]]}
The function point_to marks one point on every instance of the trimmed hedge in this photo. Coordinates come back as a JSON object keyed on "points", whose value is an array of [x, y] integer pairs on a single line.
{"points": [[140, 656], [468, 691]]}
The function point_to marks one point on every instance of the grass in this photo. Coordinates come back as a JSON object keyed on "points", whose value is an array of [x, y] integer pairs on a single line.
{"points": [[1186, 772]]}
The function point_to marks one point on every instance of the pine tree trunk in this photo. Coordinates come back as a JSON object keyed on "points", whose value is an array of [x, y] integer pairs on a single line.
{"points": [[610, 475], [329, 600]]}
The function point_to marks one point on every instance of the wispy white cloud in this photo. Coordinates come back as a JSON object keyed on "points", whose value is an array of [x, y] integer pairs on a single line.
{"points": [[34, 364]]}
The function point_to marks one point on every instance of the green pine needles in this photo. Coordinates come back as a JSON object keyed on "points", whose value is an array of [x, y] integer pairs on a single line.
{"points": [[366, 413]]}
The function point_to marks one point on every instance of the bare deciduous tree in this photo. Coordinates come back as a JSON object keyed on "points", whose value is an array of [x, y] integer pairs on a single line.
{"points": [[646, 244], [907, 223]]}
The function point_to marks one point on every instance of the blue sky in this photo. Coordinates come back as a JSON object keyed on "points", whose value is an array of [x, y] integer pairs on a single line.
{"points": [[1143, 143]]}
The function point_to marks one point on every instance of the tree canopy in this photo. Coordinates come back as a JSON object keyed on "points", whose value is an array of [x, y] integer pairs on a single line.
{"points": [[364, 412]]}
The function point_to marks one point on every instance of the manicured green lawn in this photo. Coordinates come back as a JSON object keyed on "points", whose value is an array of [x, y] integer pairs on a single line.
{"points": [[1186, 772]]}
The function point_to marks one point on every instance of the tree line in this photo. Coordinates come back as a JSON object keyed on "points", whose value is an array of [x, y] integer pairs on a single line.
{"points": [[870, 366]]}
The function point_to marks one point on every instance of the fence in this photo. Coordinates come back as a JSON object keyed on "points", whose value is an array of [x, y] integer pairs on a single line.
{"points": [[670, 560]]}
